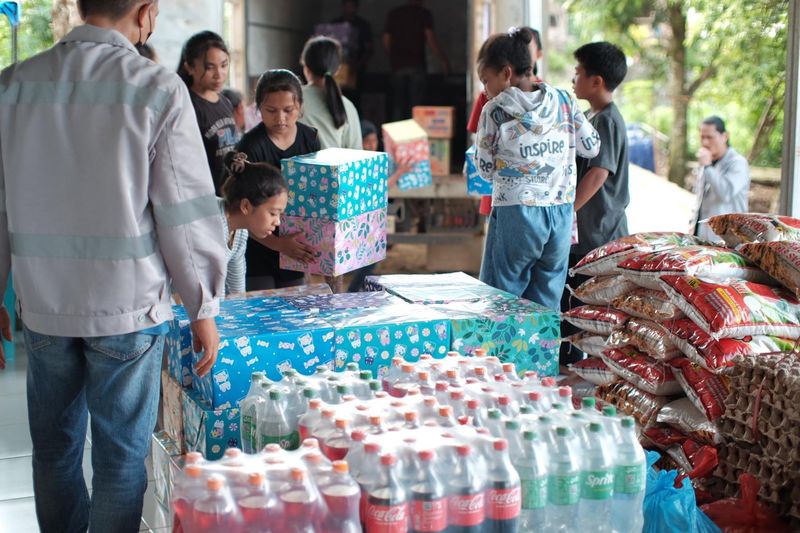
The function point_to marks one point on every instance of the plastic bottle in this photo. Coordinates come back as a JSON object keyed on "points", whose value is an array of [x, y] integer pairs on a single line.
{"points": [[338, 444], [563, 487], [411, 420], [361, 386], [259, 506], [531, 466], [319, 468], [446, 419], [247, 408], [457, 403], [189, 487], [301, 505], [466, 506], [629, 481], [589, 408], [428, 498], [503, 493], [355, 455], [475, 413], [597, 486], [510, 372], [565, 398], [429, 409], [513, 434], [342, 497], [342, 390], [442, 392], [310, 419], [406, 380], [376, 426], [216, 512], [611, 423], [374, 388], [274, 428], [368, 476], [387, 503], [392, 375], [535, 401], [580, 426], [506, 406], [426, 386], [494, 423], [408, 470]]}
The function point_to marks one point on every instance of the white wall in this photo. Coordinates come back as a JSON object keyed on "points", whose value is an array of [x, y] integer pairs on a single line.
{"points": [[180, 19]]}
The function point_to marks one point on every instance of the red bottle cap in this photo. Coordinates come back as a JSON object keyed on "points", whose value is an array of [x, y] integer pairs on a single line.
{"points": [[388, 459], [500, 445]]}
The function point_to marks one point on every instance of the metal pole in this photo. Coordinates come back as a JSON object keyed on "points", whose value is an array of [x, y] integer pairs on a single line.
{"points": [[790, 175]]}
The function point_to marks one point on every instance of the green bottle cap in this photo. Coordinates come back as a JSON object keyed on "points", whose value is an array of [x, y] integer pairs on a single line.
{"points": [[322, 369], [530, 435], [343, 389], [627, 422], [494, 414], [308, 392], [513, 425], [562, 432], [589, 401], [352, 367], [525, 410], [375, 385], [610, 410], [595, 427], [365, 375], [275, 395]]}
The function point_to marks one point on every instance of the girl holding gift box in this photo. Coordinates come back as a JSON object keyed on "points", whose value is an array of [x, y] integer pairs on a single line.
{"points": [[526, 145], [279, 97], [334, 116], [254, 196], [204, 68]]}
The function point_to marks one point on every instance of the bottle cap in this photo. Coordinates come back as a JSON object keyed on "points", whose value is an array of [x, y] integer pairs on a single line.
{"points": [[388, 459], [578, 415], [193, 470], [342, 389], [545, 419], [297, 474], [352, 367], [513, 425], [375, 420], [530, 435], [413, 391], [322, 369], [564, 391], [310, 443], [610, 410], [588, 401], [397, 360], [365, 375], [410, 416], [452, 373], [525, 410], [500, 378], [273, 448], [480, 371], [562, 432], [381, 394], [265, 385], [424, 375], [500, 445], [407, 368], [215, 482], [341, 467], [494, 414], [503, 400], [233, 453], [358, 435], [374, 385], [463, 450], [372, 447], [426, 455], [193, 458], [308, 392], [275, 395], [429, 401], [453, 354], [425, 357], [509, 368], [534, 396], [594, 427], [257, 376], [471, 380], [456, 395], [480, 352], [472, 403], [313, 457], [315, 403], [362, 407], [531, 374], [445, 410], [441, 386], [549, 382], [627, 422], [341, 423], [348, 398], [255, 479]]}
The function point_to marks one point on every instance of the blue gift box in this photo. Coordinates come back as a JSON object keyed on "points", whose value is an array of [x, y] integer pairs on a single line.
{"points": [[372, 337], [325, 304], [266, 343], [476, 185], [434, 288], [207, 430], [336, 184], [420, 176]]}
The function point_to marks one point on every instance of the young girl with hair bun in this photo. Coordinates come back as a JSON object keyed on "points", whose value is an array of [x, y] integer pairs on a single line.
{"points": [[334, 116], [254, 197], [279, 98]]}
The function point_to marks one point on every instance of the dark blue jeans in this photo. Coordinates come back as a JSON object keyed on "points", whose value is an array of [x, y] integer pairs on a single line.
{"points": [[116, 381]]}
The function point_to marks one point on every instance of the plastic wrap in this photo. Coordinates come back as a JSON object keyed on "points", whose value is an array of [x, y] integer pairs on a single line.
{"points": [[647, 336], [745, 513], [601, 290], [741, 228], [645, 373], [649, 304], [595, 318], [781, 260], [735, 308]]}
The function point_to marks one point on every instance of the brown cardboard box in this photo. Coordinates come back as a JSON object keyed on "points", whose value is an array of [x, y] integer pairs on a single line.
{"points": [[437, 121]]}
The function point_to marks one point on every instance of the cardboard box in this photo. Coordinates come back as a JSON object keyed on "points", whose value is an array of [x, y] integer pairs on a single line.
{"points": [[300, 290], [168, 461], [395, 281], [172, 409], [440, 157], [476, 185], [437, 121], [270, 344], [336, 184], [515, 330], [324, 305], [406, 140], [207, 430], [342, 246], [420, 176], [372, 337]]}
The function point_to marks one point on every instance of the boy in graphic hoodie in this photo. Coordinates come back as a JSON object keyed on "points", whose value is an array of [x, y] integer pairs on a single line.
{"points": [[526, 146]]}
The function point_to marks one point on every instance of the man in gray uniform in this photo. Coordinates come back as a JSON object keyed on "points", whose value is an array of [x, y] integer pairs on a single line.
{"points": [[107, 203], [723, 181]]}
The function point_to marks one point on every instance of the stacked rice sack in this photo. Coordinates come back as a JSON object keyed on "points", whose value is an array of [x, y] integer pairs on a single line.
{"points": [[667, 316]]}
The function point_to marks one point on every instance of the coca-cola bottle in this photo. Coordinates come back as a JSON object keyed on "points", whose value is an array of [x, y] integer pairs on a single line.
{"points": [[301, 505], [319, 467], [503, 494], [428, 499], [387, 503], [335, 448], [368, 476], [342, 497], [466, 505], [258, 506]]}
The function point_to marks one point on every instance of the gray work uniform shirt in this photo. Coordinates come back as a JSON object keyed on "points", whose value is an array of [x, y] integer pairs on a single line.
{"points": [[722, 188]]}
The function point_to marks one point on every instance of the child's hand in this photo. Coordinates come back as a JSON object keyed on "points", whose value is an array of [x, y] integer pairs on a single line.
{"points": [[403, 167], [290, 246]]}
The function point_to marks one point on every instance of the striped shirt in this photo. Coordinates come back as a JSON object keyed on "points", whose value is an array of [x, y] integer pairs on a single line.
{"points": [[237, 269]]}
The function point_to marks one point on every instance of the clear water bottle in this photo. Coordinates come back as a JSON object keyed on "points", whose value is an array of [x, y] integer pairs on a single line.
{"points": [[274, 427], [563, 487], [629, 481], [597, 485], [513, 434], [532, 465], [248, 410], [589, 408], [611, 423], [494, 422]]}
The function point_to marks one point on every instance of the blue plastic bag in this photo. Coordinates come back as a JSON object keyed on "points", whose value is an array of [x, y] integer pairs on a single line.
{"points": [[668, 509]]}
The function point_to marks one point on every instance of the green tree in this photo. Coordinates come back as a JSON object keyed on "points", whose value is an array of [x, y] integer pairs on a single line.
{"points": [[34, 35]]}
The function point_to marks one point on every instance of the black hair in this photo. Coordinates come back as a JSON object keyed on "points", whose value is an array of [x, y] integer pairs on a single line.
{"points": [[145, 50], [235, 97], [368, 128], [196, 48], [718, 124], [508, 50], [256, 182], [605, 60], [322, 56], [276, 81], [115, 9], [537, 38]]}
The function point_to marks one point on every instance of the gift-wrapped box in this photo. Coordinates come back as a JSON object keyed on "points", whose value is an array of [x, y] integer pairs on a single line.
{"points": [[419, 176], [437, 121], [372, 337], [341, 246], [326, 304], [515, 330], [336, 184], [440, 157], [393, 281], [172, 409], [266, 343], [434, 288], [406, 140], [207, 430], [476, 185], [300, 290], [168, 460]]}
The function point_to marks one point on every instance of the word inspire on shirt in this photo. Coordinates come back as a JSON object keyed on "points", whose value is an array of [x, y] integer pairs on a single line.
{"points": [[541, 148]]}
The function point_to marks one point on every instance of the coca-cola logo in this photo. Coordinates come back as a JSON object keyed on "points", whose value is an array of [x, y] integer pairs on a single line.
{"points": [[599, 481], [468, 504], [387, 515], [504, 498]]}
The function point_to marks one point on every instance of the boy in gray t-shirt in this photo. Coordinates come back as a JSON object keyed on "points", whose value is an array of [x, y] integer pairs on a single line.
{"points": [[602, 191]]}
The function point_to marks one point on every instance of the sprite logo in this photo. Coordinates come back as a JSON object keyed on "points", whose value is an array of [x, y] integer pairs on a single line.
{"points": [[629, 479], [534, 493], [598, 485], [564, 490]]}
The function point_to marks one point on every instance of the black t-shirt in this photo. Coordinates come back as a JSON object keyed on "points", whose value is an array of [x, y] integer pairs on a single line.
{"points": [[603, 219], [406, 26], [218, 130], [261, 261]]}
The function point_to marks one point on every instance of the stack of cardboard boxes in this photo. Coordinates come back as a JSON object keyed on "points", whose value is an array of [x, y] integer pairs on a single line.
{"points": [[437, 121]]}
